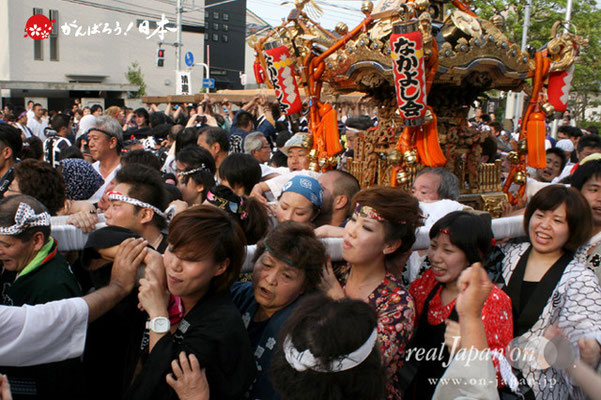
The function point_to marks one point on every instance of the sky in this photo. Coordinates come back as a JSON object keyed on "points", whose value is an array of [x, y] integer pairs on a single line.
{"points": [[334, 11]]}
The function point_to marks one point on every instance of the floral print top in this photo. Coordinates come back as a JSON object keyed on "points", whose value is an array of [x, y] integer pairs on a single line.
{"points": [[497, 316], [396, 319]]}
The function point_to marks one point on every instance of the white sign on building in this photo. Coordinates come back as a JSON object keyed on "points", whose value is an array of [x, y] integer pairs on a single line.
{"points": [[183, 83]]}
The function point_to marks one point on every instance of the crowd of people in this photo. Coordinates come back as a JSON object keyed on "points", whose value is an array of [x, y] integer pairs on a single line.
{"points": [[156, 305]]}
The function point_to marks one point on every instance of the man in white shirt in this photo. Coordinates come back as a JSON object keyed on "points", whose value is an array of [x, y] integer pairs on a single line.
{"points": [[37, 124], [105, 141]]}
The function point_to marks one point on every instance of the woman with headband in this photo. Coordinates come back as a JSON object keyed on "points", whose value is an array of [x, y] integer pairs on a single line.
{"points": [[300, 201], [457, 240], [195, 174], [42, 275], [288, 264], [381, 229], [329, 351]]}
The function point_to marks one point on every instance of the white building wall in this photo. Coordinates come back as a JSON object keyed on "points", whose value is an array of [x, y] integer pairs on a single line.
{"points": [[100, 54]]}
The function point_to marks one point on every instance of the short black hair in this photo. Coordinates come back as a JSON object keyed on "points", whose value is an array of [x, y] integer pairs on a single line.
{"points": [[468, 231], [11, 137], [95, 108], [570, 131], [141, 156], [593, 141], [578, 212], [147, 186], [559, 153], [243, 118], [279, 159], [241, 169], [141, 112], [156, 118], [60, 121], [69, 152], [216, 135], [585, 172], [187, 137]]}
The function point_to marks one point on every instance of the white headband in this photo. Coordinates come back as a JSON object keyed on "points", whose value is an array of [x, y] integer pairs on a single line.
{"points": [[304, 360], [121, 197], [192, 171], [25, 218]]}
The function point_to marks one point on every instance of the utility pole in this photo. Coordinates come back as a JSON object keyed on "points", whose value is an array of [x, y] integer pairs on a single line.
{"points": [[178, 44]]}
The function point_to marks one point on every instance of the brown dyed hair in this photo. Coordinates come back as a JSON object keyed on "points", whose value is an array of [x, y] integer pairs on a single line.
{"points": [[39, 180], [297, 242], [399, 208], [578, 212], [206, 231]]}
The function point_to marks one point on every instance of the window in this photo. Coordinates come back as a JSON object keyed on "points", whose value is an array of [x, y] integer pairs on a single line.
{"points": [[215, 37], [225, 27], [37, 44], [215, 14], [53, 15], [226, 17], [215, 27], [206, 36], [225, 38]]}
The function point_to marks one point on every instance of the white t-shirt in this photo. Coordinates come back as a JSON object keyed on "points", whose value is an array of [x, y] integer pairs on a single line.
{"points": [[43, 333], [37, 128], [96, 196]]}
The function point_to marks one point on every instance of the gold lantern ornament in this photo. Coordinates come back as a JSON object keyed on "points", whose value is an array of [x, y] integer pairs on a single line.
{"points": [[513, 157], [523, 146], [548, 108], [402, 177], [519, 178], [367, 7], [341, 28], [410, 157], [394, 157]]}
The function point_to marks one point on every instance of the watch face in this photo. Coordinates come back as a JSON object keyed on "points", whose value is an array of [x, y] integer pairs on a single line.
{"points": [[162, 324]]}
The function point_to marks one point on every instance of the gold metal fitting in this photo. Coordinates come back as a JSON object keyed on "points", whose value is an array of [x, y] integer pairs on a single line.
{"points": [[522, 146], [307, 142], [367, 7], [410, 157], [519, 178], [313, 154], [313, 166], [394, 157], [548, 108], [428, 117], [402, 177], [513, 157], [341, 28], [421, 4]]}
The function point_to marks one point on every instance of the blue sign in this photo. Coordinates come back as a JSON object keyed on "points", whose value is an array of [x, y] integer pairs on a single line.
{"points": [[208, 83], [189, 58]]}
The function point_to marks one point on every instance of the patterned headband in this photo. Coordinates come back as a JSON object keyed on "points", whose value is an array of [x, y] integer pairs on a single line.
{"points": [[25, 218], [191, 171], [370, 212], [121, 197], [220, 202], [303, 360]]}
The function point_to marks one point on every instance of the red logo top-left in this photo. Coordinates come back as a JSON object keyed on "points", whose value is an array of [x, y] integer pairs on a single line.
{"points": [[38, 27]]}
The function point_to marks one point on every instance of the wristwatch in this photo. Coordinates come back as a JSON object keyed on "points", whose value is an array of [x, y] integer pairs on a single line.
{"points": [[159, 325]]}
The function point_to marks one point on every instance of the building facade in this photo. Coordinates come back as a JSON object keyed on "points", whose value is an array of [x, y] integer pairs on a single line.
{"points": [[92, 46]]}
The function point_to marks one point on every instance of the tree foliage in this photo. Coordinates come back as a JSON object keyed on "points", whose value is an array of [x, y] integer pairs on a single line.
{"points": [[586, 22], [135, 77]]}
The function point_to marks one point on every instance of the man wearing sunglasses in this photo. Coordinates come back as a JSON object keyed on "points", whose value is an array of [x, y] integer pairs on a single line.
{"points": [[105, 140]]}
